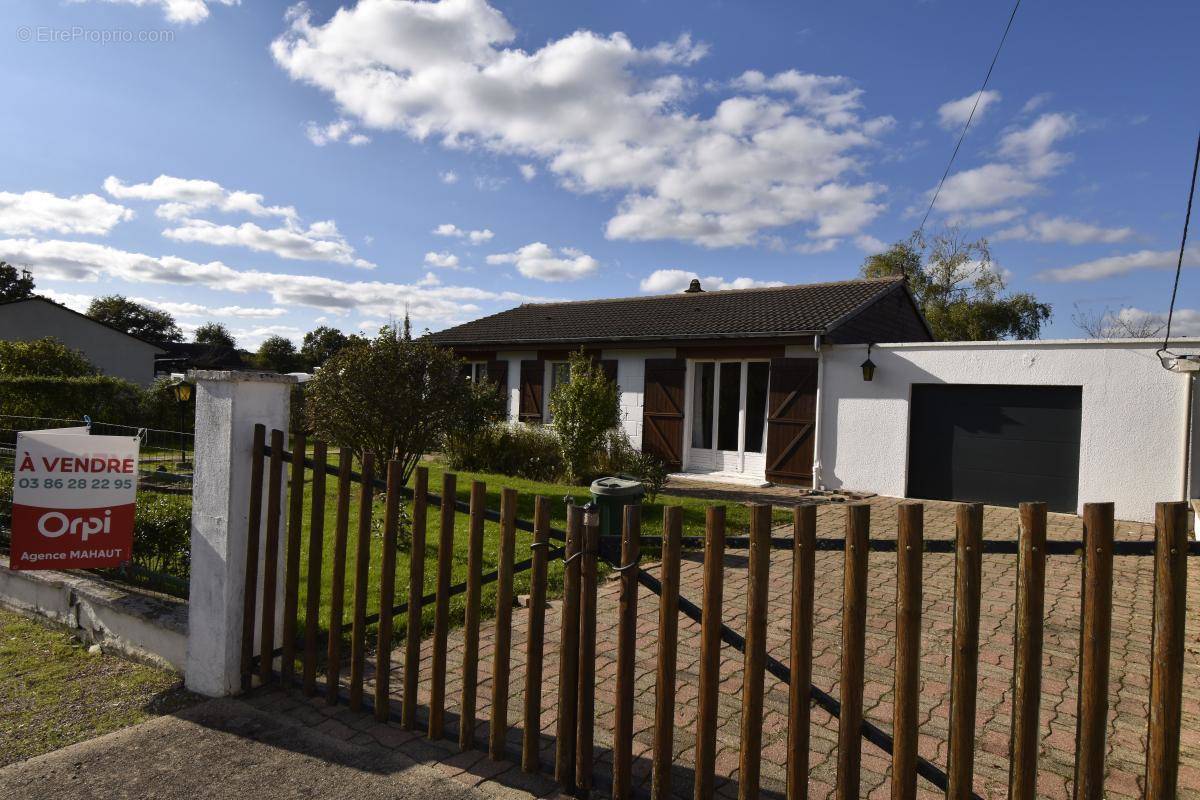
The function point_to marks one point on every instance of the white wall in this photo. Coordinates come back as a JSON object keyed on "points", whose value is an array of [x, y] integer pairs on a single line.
{"points": [[112, 352], [1132, 426]]}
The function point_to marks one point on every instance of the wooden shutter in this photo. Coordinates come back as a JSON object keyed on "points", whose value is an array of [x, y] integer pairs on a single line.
{"points": [[609, 365], [791, 420], [497, 373], [662, 410], [532, 376]]}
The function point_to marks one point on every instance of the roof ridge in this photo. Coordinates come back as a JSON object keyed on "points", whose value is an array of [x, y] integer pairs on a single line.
{"points": [[694, 295]]}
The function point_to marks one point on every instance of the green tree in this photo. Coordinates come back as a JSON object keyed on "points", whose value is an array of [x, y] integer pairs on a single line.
{"points": [[390, 396], [134, 318], [215, 334], [15, 284], [277, 354], [483, 404], [321, 344], [959, 289], [46, 357], [584, 409]]}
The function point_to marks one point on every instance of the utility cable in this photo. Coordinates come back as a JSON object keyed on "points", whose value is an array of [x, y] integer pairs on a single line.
{"points": [[1182, 245]]}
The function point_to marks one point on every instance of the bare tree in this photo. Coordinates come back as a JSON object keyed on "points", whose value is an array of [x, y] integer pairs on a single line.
{"points": [[1124, 323]]}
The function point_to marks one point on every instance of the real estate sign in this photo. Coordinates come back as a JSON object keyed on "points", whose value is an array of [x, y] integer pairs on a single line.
{"points": [[73, 499]]}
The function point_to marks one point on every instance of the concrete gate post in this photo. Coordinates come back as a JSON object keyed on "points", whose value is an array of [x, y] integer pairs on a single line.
{"points": [[228, 406]]}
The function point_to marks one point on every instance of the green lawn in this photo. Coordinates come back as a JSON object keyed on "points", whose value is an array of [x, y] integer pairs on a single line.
{"points": [[737, 523], [53, 692]]}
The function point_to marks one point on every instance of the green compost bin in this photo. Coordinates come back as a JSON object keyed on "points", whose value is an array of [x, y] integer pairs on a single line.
{"points": [[611, 495]]}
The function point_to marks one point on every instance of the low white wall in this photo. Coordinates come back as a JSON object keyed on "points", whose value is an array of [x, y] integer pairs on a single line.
{"points": [[145, 627], [1132, 422]]}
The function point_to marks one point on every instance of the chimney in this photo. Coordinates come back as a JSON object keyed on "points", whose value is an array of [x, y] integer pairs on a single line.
{"points": [[694, 287]]}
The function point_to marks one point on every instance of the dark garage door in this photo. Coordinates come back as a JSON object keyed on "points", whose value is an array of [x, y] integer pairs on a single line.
{"points": [[995, 444]]}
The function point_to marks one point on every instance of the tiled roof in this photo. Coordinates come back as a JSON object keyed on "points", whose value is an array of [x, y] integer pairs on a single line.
{"points": [[734, 313]]}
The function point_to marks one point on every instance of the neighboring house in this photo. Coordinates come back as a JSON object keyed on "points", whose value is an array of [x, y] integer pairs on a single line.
{"points": [[722, 383], [768, 384], [183, 356], [112, 351]]}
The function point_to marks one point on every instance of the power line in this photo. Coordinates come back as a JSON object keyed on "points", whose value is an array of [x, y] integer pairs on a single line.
{"points": [[971, 116], [1182, 245]]}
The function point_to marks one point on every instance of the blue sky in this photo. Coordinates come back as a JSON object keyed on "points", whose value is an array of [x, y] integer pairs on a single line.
{"points": [[276, 167]]}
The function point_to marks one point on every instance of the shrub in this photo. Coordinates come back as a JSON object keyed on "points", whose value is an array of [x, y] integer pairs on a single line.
{"points": [[523, 451], [652, 471], [483, 405], [619, 457], [162, 533], [6, 498], [47, 357], [100, 396], [584, 409]]}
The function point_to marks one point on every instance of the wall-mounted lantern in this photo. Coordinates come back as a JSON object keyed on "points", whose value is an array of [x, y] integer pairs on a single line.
{"points": [[868, 366]]}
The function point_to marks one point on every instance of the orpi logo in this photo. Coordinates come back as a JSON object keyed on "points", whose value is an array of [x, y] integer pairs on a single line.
{"points": [[54, 524]]}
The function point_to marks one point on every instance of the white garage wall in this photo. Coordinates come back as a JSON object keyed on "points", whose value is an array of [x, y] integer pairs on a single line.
{"points": [[1132, 437]]}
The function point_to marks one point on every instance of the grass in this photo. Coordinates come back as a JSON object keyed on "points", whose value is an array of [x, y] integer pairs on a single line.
{"points": [[53, 692], [737, 523]]}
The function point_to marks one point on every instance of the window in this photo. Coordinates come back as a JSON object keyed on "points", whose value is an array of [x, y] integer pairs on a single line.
{"points": [[475, 371], [729, 407], [702, 406], [758, 373]]}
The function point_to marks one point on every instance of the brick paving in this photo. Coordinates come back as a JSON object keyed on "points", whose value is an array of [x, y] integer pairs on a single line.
{"points": [[1129, 685]]}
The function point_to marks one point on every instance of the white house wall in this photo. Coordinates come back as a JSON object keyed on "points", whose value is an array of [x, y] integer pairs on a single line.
{"points": [[1132, 415], [631, 378]]}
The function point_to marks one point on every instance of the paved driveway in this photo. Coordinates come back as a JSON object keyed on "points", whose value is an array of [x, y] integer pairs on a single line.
{"points": [[1129, 678]]}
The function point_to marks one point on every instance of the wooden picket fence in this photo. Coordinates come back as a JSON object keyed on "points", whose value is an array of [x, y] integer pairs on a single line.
{"points": [[583, 549]]}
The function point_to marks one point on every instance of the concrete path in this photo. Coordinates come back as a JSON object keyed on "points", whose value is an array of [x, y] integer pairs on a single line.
{"points": [[224, 749]]}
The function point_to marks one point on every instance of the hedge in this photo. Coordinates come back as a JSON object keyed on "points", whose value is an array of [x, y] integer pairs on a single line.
{"points": [[99, 396]]}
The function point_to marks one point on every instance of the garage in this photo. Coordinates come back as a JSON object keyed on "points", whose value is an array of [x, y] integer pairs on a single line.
{"points": [[999, 445]]}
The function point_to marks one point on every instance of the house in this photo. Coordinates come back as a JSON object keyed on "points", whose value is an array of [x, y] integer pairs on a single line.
{"points": [[769, 385], [112, 351], [184, 356]]}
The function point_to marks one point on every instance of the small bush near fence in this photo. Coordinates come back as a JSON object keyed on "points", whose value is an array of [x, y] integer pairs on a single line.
{"points": [[100, 396], [162, 534], [524, 451]]}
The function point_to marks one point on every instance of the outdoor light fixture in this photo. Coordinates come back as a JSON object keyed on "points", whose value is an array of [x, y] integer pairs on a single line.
{"points": [[183, 393], [868, 366]]}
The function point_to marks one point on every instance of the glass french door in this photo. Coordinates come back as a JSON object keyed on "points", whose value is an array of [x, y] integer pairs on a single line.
{"points": [[729, 414]]}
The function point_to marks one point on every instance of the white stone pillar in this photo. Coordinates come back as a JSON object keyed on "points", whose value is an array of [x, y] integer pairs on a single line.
{"points": [[228, 406]]}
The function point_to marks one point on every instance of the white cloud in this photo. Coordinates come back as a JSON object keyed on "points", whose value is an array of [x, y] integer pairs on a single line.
{"points": [[602, 115], [451, 230], [442, 260], [180, 11], [72, 300], [93, 263], [184, 197], [1062, 229], [449, 176], [23, 214], [671, 281], [870, 244], [1036, 102], [1112, 266], [528, 171], [817, 246], [1027, 155], [954, 114], [179, 309], [321, 241], [538, 260], [986, 219], [335, 131]]}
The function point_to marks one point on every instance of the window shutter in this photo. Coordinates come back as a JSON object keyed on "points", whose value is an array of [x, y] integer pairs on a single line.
{"points": [[532, 376], [662, 412], [791, 419]]}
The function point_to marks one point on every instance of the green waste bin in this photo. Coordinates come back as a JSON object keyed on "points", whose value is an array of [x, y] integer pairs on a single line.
{"points": [[611, 495]]}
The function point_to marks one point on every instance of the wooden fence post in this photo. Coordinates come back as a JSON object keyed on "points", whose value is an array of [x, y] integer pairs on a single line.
{"points": [[626, 652], [585, 722], [1027, 658], [668, 644], [964, 661], [910, 546], [416, 588], [1167, 647], [316, 557], [387, 593], [250, 591], [266, 641], [291, 572], [758, 578], [502, 651], [710, 652], [1094, 650], [804, 532], [568, 655], [470, 663], [854, 625], [337, 580], [441, 618], [535, 643], [362, 579]]}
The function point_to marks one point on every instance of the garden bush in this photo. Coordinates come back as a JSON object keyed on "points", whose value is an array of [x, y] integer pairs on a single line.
{"points": [[619, 457], [100, 396], [162, 533], [584, 408], [516, 449]]}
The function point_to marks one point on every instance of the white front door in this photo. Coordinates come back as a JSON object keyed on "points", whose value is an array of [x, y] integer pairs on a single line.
{"points": [[726, 417]]}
